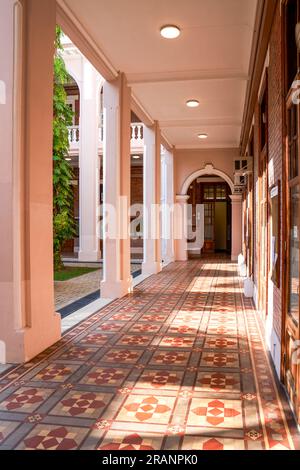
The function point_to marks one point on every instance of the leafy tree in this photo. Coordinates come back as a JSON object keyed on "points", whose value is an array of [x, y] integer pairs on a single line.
{"points": [[63, 219]]}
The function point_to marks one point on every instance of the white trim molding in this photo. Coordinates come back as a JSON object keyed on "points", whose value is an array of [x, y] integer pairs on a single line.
{"points": [[209, 169]]}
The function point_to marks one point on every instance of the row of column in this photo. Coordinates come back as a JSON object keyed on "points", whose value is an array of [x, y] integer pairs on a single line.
{"points": [[28, 322], [158, 169]]}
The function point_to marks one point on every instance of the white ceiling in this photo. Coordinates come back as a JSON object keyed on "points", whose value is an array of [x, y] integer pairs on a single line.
{"points": [[208, 62]]}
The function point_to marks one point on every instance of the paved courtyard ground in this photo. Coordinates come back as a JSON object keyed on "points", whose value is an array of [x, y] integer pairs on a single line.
{"points": [[67, 292]]}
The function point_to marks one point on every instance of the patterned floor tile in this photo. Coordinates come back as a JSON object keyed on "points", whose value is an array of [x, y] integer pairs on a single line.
{"points": [[211, 443], [82, 404], [7, 428], [170, 357], [153, 318], [220, 359], [160, 380], [216, 413], [146, 409], [178, 364], [134, 340], [218, 382], [220, 342], [95, 339], [110, 327], [122, 440], [123, 356], [78, 353], [56, 373], [25, 399], [47, 437], [177, 341], [144, 328], [183, 329], [105, 376]]}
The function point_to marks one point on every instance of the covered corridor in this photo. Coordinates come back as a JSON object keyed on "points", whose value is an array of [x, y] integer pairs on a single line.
{"points": [[178, 364], [163, 135]]}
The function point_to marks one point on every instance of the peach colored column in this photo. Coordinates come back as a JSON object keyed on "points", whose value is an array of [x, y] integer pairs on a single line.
{"points": [[117, 279], [180, 228], [152, 263], [236, 226], [28, 323]]}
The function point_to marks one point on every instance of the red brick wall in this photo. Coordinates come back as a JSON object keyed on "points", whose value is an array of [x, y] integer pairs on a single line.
{"points": [[256, 200], [136, 185], [275, 94], [275, 151]]}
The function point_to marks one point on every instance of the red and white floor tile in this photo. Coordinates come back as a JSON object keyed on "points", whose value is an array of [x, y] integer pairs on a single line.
{"points": [[179, 364]]}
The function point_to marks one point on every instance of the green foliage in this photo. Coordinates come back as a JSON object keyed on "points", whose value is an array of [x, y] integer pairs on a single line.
{"points": [[63, 219]]}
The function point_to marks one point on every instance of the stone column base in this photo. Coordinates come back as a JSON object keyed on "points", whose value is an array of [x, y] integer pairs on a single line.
{"points": [[89, 256], [116, 289], [152, 267]]}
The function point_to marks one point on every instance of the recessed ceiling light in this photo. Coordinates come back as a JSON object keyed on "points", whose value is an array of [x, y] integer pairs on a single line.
{"points": [[202, 136], [192, 103], [136, 157], [170, 31], [68, 159]]}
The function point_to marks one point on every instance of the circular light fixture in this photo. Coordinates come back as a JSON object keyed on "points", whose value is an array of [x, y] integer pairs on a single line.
{"points": [[202, 136], [170, 31], [192, 103], [68, 159], [136, 157]]}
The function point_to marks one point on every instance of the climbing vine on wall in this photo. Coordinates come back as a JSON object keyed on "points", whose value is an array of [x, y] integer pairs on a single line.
{"points": [[63, 218]]}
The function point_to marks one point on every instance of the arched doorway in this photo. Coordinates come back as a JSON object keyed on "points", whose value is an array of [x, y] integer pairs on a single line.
{"points": [[209, 216], [234, 208]]}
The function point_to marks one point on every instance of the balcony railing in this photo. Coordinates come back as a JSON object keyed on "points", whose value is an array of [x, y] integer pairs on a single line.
{"points": [[137, 137]]}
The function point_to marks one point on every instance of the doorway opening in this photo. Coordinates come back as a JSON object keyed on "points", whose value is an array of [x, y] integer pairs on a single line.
{"points": [[209, 217]]}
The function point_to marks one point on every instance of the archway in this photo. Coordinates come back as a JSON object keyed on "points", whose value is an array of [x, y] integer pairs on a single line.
{"points": [[234, 212], [207, 170]]}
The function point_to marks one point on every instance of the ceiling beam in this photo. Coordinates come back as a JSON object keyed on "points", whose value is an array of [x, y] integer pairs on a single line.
{"points": [[74, 29], [219, 145], [210, 122], [140, 111], [165, 142], [183, 76]]}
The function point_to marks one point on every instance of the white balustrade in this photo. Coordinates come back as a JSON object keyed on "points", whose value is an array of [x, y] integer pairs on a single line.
{"points": [[73, 137], [137, 136], [137, 133]]}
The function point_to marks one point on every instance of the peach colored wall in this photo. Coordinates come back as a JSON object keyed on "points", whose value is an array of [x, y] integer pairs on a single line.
{"points": [[187, 162]]}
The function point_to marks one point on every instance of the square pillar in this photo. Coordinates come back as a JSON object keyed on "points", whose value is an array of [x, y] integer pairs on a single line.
{"points": [[152, 263], [117, 279], [168, 206], [89, 171], [28, 322], [180, 228], [236, 226]]}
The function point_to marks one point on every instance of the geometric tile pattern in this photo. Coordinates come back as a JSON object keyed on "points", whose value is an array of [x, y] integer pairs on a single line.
{"points": [[180, 364]]}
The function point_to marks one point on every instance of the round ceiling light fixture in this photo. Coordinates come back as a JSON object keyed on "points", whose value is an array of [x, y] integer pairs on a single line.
{"points": [[192, 103], [136, 157], [68, 159], [170, 31], [202, 136]]}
